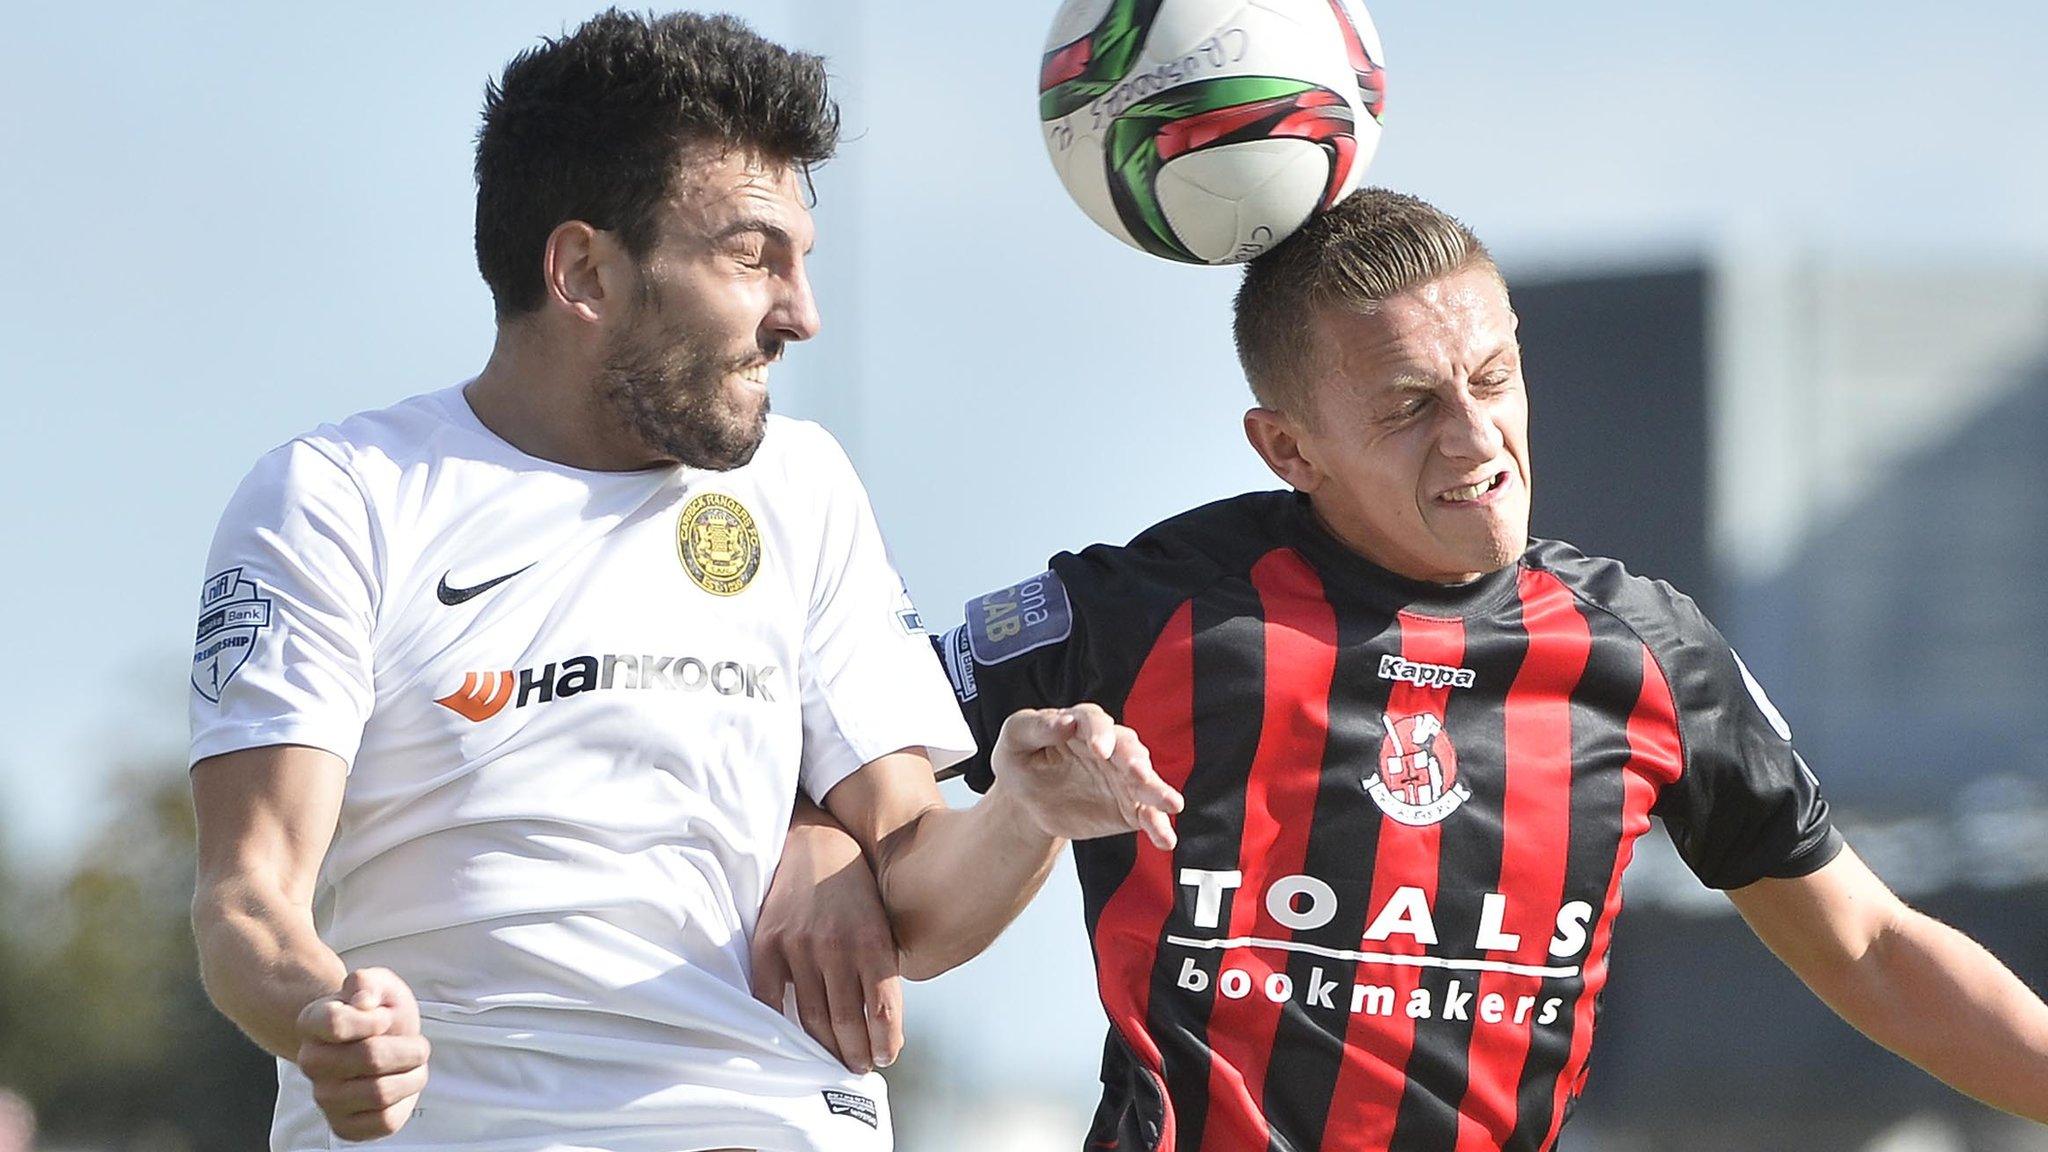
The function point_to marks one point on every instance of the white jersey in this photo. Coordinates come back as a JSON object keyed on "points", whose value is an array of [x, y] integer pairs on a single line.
{"points": [[576, 708]]}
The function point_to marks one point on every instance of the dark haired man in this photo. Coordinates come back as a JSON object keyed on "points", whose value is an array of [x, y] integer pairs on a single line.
{"points": [[502, 695], [1417, 749]]}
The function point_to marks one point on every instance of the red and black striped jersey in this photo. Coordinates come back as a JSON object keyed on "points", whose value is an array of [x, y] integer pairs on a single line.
{"points": [[1409, 806]]}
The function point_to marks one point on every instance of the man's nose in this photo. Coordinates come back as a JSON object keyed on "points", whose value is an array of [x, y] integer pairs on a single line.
{"points": [[1469, 431], [796, 308]]}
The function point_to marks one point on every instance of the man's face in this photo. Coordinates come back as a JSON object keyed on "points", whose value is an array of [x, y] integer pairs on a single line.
{"points": [[1420, 441], [721, 292]]}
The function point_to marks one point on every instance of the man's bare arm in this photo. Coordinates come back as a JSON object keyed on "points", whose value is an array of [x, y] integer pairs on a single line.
{"points": [[824, 933], [266, 816], [1907, 981], [952, 880]]}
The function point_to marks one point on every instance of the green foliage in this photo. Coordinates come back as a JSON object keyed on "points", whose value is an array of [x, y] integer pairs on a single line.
{"points": [[103, 1024]]}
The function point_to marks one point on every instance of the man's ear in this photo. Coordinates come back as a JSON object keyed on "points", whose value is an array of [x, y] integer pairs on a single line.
{"points": [[586, 271], [1277, 438]]}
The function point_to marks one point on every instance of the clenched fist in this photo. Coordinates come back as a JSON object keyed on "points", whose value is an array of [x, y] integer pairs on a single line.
{"points": [[363, 1051]]}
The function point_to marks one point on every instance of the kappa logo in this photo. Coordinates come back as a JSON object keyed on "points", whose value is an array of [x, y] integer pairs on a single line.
{"points": [[1417, 783], [232, 611], [1425, 675], [485, 694]]}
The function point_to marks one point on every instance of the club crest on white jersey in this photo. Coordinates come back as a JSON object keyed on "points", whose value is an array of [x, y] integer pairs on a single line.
{"points": [[718, 543]]}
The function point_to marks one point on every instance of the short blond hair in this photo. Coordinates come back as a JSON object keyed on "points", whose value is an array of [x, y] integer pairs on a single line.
{"points": [[1374, 244]]}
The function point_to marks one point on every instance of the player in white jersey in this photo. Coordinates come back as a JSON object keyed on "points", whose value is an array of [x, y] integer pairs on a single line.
{"points": [[503, 696]]}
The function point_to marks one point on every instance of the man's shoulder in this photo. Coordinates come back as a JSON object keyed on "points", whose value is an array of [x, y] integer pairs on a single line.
{"points": [[1661, 615], [399, 430], [1232, 529], [800, 452], [1204, 544], [1139, 583], [342, 473], [396, 432], [1101, 609]]}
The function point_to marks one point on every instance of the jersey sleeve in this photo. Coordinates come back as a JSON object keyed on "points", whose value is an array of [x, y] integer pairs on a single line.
{"points": [[1746, 806], [282, 654], [868, 681], [1021, 646]]}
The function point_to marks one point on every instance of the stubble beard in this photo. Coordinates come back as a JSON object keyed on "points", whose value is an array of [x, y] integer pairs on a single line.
{"points": [[670, 392], [1505, 544]]}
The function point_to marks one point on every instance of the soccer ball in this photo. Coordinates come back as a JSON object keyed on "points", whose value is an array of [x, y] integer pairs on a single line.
{"points": [[1207, 131]]}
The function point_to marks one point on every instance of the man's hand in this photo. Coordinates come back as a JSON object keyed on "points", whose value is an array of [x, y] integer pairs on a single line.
{"points": [[363, 1051], [823, 931], [1078, 775], [952, 879]]}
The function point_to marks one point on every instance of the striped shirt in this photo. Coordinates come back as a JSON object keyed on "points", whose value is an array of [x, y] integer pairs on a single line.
{"points": [[1409, 806]]}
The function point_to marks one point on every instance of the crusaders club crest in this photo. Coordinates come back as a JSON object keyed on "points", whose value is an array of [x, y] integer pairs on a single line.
{"points": [[1417, 783]]}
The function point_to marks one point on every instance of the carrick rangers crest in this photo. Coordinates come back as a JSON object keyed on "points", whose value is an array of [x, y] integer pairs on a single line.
{"points": [[718, 543], [1417, 783]]}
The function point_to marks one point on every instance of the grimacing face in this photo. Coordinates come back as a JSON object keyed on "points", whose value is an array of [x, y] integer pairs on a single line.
{"points": [[722, 292], [1418, 457]]}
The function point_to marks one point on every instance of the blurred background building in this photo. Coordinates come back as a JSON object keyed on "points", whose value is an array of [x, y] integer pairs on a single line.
{"points": [[1844, 464], [1783, 273]]}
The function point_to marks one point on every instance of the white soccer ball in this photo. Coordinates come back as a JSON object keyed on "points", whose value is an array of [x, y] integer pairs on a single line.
{"points": [[1207, 131]]}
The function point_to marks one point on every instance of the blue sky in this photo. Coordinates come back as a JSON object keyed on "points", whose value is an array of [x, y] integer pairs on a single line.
{"points": [[229, 222]]}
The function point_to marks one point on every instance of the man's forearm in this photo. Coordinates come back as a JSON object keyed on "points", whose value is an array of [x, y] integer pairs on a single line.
{"points": [[262, 963], [955, 878], [1938, 998]]}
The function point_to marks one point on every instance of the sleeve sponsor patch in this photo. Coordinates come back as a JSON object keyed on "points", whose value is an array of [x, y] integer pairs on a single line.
{"points": [[232, 610], [1010, 622], [959, 663]]}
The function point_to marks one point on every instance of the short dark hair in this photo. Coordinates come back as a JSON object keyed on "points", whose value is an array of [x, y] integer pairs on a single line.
{"points": [[589, 126], [1374, 244]]}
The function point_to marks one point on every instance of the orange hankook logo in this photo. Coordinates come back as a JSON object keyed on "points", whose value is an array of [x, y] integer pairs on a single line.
{"points": [[482, 695]]}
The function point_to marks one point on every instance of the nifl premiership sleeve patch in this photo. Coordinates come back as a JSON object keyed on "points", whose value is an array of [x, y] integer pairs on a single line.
{"points": [[232, 610], [1010, 622]]}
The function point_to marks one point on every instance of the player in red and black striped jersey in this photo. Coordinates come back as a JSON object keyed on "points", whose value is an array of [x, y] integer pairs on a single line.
{"points": [[1409, 806], [1417, 751]]}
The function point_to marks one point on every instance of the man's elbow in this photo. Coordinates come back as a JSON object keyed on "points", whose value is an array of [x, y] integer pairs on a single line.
{"points": [[209, 922], [925, 949], [241, 936], [216, 938], [925, 963]]}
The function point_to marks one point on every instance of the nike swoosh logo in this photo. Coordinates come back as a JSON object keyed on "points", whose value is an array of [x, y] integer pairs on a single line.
{"points": [[453, 596]]}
